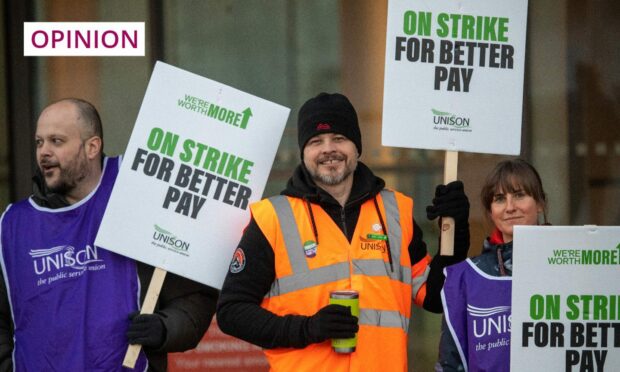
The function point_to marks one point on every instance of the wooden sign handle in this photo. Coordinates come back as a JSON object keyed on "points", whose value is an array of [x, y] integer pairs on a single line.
{"points": [[447, 223], [152, 294]]}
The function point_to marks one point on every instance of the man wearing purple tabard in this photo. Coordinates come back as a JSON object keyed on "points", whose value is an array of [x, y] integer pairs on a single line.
{"points": [[65, 304]]}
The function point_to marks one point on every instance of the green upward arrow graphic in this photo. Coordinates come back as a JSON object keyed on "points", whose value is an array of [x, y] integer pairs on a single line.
{"points": [[247, 113]]}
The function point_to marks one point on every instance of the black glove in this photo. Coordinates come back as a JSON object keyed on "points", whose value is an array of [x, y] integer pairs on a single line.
{"points": [[450, 201], [147, 330], [332, 321]]}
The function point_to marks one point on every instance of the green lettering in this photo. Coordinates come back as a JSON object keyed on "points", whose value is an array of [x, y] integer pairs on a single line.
{"points": [[502, 29], [455, 24], [586, 300], [213, 111], [600, 307], [479, 24], [221, 116], [166, 143], [573, 310], [211, 159], [220, 168], [237, 120], [186, 155], [605, 257], [417, 22], [230, 117], [467, 27], [170, 143], [552, 307], [537, 305], [442, 20], [547, 307], [201, 148], [245, 171], [232, 166], [155, 138], [489, 28]]}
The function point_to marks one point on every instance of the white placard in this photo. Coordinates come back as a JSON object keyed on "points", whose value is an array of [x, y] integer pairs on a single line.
{"points": [[454, 75], [199, 154], [566, 299]]}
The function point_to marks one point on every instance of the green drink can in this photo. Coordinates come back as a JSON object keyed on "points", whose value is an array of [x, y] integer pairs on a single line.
{"points": [[349, 298]]}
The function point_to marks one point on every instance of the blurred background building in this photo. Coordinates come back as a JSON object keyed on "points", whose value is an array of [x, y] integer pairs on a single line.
{"points": [[289, 50]]}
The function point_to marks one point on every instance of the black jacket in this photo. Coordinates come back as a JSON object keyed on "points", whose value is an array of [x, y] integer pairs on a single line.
{"points": [[186, 309], [184, 306], [239, 312]]}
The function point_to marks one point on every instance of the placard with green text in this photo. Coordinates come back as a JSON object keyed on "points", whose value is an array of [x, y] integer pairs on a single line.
{"points": [[454, 75], [199, 154], [566, 299]]}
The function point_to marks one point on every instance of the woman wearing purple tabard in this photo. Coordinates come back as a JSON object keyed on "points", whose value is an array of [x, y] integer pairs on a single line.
{"points": [[475, 334]]}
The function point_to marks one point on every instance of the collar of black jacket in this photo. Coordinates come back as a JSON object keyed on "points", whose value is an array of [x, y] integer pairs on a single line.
{"points": [[365, 186], [506, 248], [43, 196]]}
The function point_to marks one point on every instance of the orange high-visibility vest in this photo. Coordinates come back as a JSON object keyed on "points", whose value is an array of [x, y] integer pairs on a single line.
{"points": [[304, 279]]}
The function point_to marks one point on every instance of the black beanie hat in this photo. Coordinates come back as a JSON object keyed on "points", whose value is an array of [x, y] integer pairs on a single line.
{"points": [[328, 113]]}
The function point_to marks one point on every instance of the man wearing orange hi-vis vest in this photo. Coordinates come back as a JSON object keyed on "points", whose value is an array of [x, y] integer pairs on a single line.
{"points": [[336, 228]]}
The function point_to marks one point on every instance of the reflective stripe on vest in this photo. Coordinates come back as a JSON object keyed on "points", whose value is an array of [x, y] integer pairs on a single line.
{"points": [[379, 267], [302, 277], [383, 318], [292, 240], [418, 281], [392, 221], [402, 273], [321, 275]]}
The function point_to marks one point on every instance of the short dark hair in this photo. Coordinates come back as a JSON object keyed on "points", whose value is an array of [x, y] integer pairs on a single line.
{"points": [[510, 176]]}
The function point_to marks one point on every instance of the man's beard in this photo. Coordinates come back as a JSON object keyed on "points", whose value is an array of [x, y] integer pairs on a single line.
{"points": [[331, 178], [69, 175]]}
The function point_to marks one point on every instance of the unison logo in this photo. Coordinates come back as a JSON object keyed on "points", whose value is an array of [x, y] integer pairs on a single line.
{"points": [[169, 240], [56, 258], [84, 38], [490, 321], [449, 119]]}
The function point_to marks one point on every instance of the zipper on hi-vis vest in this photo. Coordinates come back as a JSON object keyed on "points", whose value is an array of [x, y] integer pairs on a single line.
{"points": [[343, 221]]}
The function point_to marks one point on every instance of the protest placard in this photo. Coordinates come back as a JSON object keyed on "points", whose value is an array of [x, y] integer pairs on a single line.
{"points": [[454, 75], [454, 80], [565, 299], [199, 154]]}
